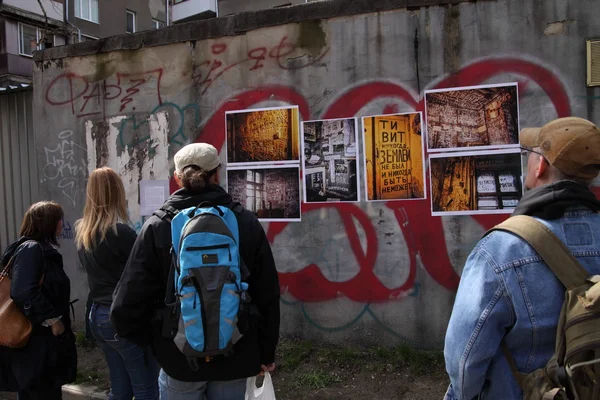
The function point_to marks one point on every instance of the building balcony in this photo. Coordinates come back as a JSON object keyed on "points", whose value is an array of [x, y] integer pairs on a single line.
{"points": [[31, 9], [190, 10]]}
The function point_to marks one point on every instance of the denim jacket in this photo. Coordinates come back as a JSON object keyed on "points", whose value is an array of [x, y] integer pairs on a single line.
{"points": [[507, 293]]}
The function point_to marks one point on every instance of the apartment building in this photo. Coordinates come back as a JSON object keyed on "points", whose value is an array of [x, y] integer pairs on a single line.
{"points": [[29, 25], [25, 26], [96, 19], [190, 10]]}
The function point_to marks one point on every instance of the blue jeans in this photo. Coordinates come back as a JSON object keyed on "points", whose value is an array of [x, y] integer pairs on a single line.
{"points": [[133, 372], [172, 389]]}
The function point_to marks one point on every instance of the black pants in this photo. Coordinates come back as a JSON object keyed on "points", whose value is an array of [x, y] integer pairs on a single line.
{"points": [[41, 393]]}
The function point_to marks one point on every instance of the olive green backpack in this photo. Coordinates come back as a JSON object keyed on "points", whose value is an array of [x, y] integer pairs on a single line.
{"points": [[573, 372]]}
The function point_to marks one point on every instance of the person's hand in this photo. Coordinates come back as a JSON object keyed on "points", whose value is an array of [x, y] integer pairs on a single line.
{"points": [[267, 368], [57, 328]]}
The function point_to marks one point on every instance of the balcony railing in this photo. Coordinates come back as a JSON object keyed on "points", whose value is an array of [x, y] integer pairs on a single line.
{"points": [[188, 10]]}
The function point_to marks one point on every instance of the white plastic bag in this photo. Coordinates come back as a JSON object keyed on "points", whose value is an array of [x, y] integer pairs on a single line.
{"points": [[266, 392]]}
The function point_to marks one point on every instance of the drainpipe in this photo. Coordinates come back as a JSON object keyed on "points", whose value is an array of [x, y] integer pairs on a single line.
{"points": [[69, 22], [168, 2]]}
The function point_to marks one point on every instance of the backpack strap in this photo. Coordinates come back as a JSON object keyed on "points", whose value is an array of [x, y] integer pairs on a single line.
{"points": [[166, 212], [236, 207], [552, 250], [555, 254]]}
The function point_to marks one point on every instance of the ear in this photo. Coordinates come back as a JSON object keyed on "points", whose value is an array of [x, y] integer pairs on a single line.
{"points": [[176, 176], [541, 168]]}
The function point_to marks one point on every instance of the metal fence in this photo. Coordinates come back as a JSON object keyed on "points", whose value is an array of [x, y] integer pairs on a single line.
{"points": [[18, 167]]}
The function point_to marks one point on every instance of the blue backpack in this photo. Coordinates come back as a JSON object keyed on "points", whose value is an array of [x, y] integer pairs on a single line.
{"points": [[206, 281]]}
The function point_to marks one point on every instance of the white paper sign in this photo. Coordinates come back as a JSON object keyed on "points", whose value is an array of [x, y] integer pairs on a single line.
{"points": [[508, 183], [153, 194], [486, 184]]}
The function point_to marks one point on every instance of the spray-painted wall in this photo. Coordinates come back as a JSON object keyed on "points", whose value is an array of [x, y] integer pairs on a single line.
{"points": [[349, 272]]}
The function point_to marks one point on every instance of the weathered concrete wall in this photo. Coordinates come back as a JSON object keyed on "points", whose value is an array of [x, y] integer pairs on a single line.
{"points": [[365, 272]]}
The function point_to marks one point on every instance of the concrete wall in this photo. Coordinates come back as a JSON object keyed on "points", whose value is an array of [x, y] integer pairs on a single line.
{"points": [[377, 272]]}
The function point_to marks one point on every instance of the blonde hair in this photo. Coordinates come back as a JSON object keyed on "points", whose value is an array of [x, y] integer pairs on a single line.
{"points": [[105, 205]]}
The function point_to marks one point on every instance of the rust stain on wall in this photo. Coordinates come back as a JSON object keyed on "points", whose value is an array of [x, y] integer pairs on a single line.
{"points": [[452, 39], [312, 37], [100, 132]]}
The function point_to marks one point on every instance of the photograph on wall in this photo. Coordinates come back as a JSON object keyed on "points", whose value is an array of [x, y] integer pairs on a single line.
{"points": [[330, 150], [472, 118], [475, 182], [272, 193], [393, 148], [265, 135]]}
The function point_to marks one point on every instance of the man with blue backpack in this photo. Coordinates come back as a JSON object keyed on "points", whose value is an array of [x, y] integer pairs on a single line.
{"points": [[200, 287]]}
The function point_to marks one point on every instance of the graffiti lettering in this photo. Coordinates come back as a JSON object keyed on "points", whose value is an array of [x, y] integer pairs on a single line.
{"points": [[184, 121], [207, 72], [66, 164], [421, 231], [91, 98], [67, 232]]}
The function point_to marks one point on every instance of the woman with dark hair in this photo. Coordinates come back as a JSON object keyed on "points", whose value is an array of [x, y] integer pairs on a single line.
{"points": [[41, 290]]}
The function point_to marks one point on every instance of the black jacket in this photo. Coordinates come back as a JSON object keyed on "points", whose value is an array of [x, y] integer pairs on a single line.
{"points": [[105, 263], [45, 360], [141, 291]]}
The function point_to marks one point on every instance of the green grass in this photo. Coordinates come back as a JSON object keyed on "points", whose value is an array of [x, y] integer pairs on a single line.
{"points": [[317, 380], [293, 353], [344, 357], [86, 376], [405, 356], [82, 341]]}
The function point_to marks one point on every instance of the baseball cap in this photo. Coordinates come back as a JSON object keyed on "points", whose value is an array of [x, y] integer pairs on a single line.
{"points": [[571, 145], [202, 155]]}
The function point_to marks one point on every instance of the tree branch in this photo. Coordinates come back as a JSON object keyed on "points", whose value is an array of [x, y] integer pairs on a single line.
{"points": [[43, 39]]}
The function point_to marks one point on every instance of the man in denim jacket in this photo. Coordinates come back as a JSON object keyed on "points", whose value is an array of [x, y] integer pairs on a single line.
{"points": [[506, 292]]}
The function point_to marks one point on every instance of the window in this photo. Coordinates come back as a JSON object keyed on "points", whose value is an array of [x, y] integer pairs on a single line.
{"points": [[87, 9], [254, 191], [29, 37], [157, 24], [130, 21]]}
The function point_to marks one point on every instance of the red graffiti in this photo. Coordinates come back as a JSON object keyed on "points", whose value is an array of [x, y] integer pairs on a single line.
{"points": [[423, 233], [218, 48], [207, 72], [88, 98]]}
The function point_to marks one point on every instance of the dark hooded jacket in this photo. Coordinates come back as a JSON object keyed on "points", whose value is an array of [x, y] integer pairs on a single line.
{"points": [[141, 292], [46, 360]]}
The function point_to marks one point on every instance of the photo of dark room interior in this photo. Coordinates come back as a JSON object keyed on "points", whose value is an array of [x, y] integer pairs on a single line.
{"points": [[471, 118]]}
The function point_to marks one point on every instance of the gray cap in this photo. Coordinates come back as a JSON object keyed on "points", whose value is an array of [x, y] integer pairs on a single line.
{"points": [[202, 155]]}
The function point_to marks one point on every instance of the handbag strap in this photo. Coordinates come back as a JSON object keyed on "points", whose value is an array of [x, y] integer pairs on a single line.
{"points": [[6, 270]]}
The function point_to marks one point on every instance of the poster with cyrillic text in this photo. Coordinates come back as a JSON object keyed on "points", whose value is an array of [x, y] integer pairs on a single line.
{"points": [[394, 157]]}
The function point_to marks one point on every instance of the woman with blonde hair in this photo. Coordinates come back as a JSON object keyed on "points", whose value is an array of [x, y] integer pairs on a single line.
{"points": [[104, 242]]}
